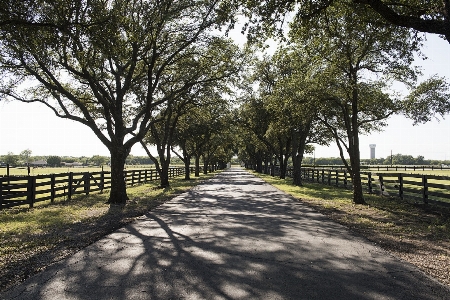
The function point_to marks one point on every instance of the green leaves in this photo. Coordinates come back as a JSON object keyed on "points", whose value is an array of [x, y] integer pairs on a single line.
{"points": [[428, 100]]}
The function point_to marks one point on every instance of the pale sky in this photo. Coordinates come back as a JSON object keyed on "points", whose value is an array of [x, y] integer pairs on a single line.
{"points": [[35, 127]]}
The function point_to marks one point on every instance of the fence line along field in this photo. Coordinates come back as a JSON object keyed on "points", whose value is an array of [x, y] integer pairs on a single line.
{"points": [[424, 185], [23, 171], [28, 190]]}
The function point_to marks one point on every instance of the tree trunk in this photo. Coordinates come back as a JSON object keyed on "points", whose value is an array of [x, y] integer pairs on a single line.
{"points": [[284, 163], [205, 165], [272, 168], [266, 165], [164, 177], [118, 194], [298, 149], [165, 163], [296, 159], [358, 196], [187, 169], [297, 170], [197, 166], [355, 159], [259, 163]]}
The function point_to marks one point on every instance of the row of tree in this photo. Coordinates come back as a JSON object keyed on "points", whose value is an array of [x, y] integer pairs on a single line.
{"points": [[132, 71], [331, 82], [161, 73]]}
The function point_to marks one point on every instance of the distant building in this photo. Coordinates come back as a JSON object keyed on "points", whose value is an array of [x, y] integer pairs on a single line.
{"points": [[72, 164], [372, 151], [38, 163]]}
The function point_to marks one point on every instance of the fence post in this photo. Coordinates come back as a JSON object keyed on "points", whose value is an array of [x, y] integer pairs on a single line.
{"points": [[380, 179], [102, 181], [52, 192], [337, 177], [87, 183], [329, 177], [1, 195], [369, 179], [31, 190], [345, 179], [400, 186], [323, 176], [425, 189], [69, 186]]}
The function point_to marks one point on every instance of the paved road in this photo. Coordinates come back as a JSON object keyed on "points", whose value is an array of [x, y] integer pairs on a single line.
{"points": [[233, 237]]}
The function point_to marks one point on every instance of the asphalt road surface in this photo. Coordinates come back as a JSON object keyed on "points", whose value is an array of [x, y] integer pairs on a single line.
{"points": [[232, 237]]}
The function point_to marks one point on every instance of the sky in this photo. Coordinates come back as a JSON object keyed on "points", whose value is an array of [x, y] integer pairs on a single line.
{"points": [[33, 126]]}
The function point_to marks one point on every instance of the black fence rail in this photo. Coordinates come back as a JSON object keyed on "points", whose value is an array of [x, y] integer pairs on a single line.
{"points": [[418, 187], [28, 190], [384, 167]]}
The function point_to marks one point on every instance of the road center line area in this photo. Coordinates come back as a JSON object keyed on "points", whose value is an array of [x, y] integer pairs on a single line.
{"points": [[231, 237]]}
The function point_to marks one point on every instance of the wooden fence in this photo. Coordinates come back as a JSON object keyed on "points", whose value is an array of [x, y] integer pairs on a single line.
{"points": [[423, 188], [20, 190], [384, 167]]}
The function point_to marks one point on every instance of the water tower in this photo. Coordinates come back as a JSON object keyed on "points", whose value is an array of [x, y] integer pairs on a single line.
{"points": [[372, 151]]}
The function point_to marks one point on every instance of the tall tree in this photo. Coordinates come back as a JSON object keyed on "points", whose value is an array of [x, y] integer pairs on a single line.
{"points": [[25, 156], [358, 59], [54, 161], [108, 67]]}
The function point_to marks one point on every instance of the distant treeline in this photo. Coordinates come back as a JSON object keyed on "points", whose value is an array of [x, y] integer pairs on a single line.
{"points": [[55, 161], [98, 160], [396, 159]]}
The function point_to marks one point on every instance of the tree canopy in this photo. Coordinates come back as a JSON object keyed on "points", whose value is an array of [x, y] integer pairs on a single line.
{"points": [[269, 16], [111, 67]]}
